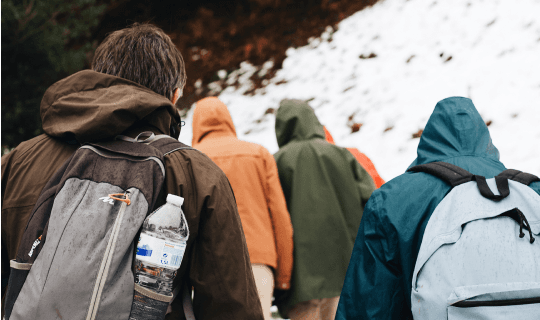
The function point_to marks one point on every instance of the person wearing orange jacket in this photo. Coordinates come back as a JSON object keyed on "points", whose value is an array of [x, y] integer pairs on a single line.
{"points": [[253, 176], [364, 161]]}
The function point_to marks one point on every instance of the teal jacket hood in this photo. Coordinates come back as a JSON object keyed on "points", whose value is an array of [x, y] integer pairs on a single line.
{"points": [[296, 120], [455, 129]]}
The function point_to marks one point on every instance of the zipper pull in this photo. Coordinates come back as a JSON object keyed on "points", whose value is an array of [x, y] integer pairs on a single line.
{"points": [[115, 196], [524, 222]]}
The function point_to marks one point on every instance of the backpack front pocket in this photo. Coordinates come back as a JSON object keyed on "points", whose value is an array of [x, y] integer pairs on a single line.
{"points": [[519, 300]]}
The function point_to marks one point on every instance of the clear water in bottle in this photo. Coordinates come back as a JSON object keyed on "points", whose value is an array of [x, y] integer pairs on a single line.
{"points": [[161, 246]]}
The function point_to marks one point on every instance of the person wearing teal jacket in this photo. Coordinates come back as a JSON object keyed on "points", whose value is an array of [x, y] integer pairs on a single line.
{"points": [[326, 190], [379, 276]]}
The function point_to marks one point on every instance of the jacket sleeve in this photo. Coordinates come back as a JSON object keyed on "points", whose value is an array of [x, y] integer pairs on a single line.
{"points": [[217, 263], [364, 186], [6, 162], [374, 287], [364, 181], [281, 222]]}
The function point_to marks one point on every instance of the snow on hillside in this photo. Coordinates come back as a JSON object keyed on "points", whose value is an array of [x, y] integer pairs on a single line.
{"points": [[421, 52]]}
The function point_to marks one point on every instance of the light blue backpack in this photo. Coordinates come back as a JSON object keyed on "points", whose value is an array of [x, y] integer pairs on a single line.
{"points": [[478, 258]]}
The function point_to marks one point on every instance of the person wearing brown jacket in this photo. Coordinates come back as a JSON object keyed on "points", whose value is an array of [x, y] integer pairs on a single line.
{"points": [[132, 88], [253, 174]]}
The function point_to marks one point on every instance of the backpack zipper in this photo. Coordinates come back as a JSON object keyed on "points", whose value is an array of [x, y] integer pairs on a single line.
{"points": [[495, 303], [106, 263]]}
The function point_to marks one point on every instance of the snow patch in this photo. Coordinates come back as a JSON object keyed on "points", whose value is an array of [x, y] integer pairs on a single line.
{"points": [[389, 65]]}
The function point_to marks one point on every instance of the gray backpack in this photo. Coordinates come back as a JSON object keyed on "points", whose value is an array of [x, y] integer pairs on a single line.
{"points": [[75, 257], [478, 258]]}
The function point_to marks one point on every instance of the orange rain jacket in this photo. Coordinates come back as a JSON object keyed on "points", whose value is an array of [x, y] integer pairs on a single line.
{"points": [[253, 175], [364, 161]]}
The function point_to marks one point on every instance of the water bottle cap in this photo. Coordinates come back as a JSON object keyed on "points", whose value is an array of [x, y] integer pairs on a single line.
{"points": [[176, 200]]}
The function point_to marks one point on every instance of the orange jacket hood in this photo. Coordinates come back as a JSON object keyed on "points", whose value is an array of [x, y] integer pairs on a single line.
{"points": [[211, 116]]}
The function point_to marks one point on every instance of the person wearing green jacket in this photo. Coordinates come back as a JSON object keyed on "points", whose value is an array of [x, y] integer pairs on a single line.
{"points": [[326, 190], [379, 278]]}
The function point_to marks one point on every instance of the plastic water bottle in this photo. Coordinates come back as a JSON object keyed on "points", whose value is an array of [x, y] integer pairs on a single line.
{"points": [[160, 251]]}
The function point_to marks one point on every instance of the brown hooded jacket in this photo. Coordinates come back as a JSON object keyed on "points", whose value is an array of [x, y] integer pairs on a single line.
{"points": [[253, 174], [91, 106]]}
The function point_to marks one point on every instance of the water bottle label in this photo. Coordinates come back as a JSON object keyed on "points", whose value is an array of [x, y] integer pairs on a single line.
{"points": [[160, 252]]}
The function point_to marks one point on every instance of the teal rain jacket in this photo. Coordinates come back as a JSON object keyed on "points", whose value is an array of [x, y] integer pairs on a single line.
{"points": [[326, 190], [379, 277]]}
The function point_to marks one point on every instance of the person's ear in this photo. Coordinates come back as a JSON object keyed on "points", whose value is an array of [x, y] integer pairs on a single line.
{"points": [[177, 93]]}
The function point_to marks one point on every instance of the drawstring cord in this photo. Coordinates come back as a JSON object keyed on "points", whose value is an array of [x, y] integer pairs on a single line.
{"points": [[523, 222]]}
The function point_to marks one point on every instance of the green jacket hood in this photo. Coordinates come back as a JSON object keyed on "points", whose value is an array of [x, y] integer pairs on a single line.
{"points": [[454, 129], [92, 106], [296, 120]]}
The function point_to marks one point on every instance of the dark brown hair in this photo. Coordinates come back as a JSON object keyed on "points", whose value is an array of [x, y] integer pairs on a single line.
{"points": [[144, 54]]}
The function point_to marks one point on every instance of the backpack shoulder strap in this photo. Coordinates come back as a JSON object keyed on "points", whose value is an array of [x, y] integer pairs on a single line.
{"points": [[167, 144], [164, 143], [454, 176], [518, 176], [449, 173], [187, 303]]}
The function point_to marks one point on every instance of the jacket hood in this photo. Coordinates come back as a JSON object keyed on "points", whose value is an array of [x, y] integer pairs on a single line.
{"points": [[211, 117], [296, 120], [92, 106], [454, 129]]}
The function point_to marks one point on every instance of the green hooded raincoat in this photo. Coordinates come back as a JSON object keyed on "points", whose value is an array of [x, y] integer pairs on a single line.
{"points": [[326, 190]]}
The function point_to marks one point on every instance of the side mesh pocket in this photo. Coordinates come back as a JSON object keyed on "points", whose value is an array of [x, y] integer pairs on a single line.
{"points": [[148, 304], [519, 300], [17, 277]]}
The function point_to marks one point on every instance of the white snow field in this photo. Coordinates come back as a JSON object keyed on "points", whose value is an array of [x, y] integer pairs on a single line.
{"points": [[425, 51]]}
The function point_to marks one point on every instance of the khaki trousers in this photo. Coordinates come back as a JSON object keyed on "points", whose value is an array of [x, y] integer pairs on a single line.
{"points": [[316, 309], [264, 279]]}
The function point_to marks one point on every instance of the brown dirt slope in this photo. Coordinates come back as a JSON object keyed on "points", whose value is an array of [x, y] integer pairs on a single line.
{"points": [[217, 35]]}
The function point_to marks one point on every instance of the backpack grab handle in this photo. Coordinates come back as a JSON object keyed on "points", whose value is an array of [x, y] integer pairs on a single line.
{"points": [[485, 191]]}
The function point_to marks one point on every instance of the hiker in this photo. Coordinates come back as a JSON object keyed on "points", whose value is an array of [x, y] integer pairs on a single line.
{"points": [[326, 190], [364, 161], [393, 230], [253, 175], [137, 76]]}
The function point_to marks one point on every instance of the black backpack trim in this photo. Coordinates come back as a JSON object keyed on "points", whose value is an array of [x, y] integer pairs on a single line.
{"points": [[449, 173], [485, 191], [518, 176], [454, 176]]}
